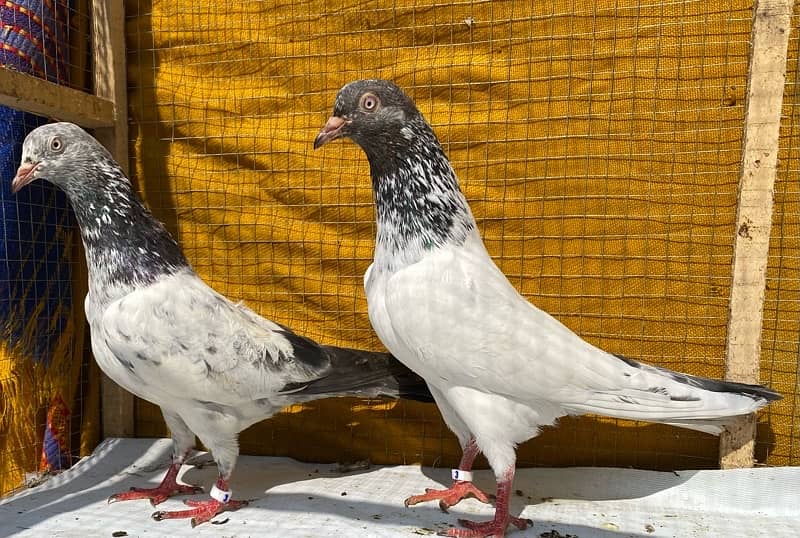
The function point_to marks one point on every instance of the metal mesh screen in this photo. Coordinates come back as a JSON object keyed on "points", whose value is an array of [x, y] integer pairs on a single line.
{"points": [[48, 400], [598, 143], [779, 438]]}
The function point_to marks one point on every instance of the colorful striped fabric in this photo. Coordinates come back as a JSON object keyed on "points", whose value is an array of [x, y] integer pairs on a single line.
{"points": [[37, 367]]}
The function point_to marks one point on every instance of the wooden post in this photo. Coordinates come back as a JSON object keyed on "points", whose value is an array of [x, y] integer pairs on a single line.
{"points": [[110, 82], [110, 78], [766, 77]]}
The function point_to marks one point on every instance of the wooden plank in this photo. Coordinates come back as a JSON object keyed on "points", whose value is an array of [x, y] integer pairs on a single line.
{"points": [[767, 74], [31, 94], [108, 40], [110, 78]]}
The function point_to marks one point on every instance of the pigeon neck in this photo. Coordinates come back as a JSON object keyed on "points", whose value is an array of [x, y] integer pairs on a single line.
{"points": [[126, 246], [420, 206]]}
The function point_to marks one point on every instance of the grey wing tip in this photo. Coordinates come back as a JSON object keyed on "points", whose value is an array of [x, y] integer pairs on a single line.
{"points": [[364, 374], [292, 388], [756, 392], [769, 394]]}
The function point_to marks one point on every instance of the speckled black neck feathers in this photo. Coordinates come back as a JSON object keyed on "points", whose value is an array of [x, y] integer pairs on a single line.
{"points": [[126, 246], [419, 203]]}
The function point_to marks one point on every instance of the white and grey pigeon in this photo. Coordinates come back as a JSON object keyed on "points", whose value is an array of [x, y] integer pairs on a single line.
{"points": [[499, 368], [213, 366]]}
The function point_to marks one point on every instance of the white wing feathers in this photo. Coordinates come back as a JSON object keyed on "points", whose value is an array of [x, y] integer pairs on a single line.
{"points": [[466, 325], [201, 343]]}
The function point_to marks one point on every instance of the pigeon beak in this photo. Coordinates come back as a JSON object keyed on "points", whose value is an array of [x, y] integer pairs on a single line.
{"points": [[25, 174], [333, 129]]}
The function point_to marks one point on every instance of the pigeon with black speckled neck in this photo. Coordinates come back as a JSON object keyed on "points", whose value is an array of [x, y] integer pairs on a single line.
{"points": [[498, 367], [213, 366]]}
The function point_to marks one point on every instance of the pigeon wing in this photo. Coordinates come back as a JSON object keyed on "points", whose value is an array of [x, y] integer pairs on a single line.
{"points": [[462, 323], [181, 336]]}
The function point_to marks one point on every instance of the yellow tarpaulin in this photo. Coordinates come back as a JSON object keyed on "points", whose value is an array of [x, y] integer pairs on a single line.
{"points": [[598, 143]]}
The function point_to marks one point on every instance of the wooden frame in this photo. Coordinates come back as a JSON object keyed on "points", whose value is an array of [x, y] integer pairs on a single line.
{"points": [[766, 78], [110, 82], [36, 95], [107, 113]]}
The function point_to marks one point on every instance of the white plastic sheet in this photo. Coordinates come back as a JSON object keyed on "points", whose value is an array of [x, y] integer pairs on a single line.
{"points": [[293, 499]]}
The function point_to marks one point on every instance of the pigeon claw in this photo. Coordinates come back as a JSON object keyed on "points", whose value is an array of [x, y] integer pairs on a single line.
{"points": [[484, 529], [450, 496], [156, 495], [200, 511]]}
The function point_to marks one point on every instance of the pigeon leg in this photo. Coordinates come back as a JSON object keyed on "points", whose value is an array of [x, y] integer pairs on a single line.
{"points": [[167, 488], [203, 511], [182, 443], [461, 489], [495, 528]]}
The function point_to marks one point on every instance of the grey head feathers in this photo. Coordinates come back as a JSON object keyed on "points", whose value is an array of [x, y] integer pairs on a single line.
{"points": [[125, 244], [419, 203]]}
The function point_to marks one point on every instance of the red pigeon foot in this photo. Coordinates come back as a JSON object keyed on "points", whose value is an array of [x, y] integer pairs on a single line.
{"points": [[201, 511], [450, 496], [483, 529], [167, 488]]}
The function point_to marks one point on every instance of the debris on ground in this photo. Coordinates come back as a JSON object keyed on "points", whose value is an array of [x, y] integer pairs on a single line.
{"points": [[361, 465], [555, 534]]}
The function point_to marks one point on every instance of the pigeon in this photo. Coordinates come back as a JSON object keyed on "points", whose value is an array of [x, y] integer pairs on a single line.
{"points": [[498, 367], [213, 366]]}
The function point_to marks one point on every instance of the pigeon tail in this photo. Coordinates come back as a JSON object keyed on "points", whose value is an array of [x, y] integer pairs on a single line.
{"points": [[755, 392], [669, 397], [364, 374]]}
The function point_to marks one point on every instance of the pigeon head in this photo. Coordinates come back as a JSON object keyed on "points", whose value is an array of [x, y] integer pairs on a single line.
{"points": [[125, 244], [375, 114], [58, 153], [419, 203]]}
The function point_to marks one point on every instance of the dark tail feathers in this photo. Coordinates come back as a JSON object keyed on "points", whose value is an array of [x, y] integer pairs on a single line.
{"points": [[365, 374], [755, 392]]}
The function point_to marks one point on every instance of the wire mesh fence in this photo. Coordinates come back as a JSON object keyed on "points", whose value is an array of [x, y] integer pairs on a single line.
{"points": [[599, 145], [45, 385], [779, 437]]}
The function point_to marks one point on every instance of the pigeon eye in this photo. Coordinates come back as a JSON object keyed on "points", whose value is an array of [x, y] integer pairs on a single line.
{"points": [[369, 102], [56, 144]]}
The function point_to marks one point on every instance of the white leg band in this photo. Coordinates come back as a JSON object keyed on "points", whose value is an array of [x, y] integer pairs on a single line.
{"points": [[220, 495], [461, 476]]}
